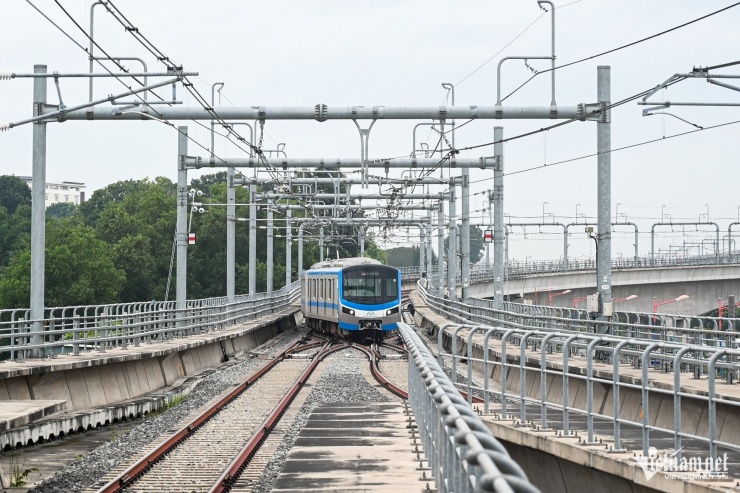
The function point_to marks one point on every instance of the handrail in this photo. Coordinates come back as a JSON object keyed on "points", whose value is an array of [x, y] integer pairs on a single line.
{"points": [[101, 327], [463, 453]]}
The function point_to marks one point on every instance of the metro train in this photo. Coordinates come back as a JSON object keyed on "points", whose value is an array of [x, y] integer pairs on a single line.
{"points": [[357, 298]]}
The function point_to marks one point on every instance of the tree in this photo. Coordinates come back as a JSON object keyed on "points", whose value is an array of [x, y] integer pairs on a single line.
{"points": [[13, 193], [15, 232], [477, 245], [138, 218], [79, 269], [61, 209], [115, 192], [403, 256], [204, 183]]}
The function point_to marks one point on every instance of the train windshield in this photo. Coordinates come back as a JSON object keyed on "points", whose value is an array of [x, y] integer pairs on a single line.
{"points": [[371, 285]]}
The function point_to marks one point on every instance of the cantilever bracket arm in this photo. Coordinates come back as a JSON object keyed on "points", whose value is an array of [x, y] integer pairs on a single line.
{"points": [[662, 106], [723, 84], [673, 78]]}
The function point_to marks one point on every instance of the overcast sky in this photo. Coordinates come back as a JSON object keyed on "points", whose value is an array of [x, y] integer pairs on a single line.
{"points": [[340, 53]]}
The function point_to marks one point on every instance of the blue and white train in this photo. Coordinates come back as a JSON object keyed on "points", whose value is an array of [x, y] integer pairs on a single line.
{"points": [[356, 297]]}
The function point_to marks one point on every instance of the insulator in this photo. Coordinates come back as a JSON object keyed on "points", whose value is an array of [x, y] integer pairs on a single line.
{"points": [[6, 75]]}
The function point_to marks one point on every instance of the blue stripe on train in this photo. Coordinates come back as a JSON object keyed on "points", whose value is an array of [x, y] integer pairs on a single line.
{"points": [[349, 326], [323, 304], [368, 307]]}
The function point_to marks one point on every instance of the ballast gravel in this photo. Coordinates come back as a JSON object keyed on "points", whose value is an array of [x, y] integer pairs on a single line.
{"points": [[86, 471]]}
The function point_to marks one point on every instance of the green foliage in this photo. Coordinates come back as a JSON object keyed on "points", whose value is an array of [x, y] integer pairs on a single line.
{"points": [[140, 225], [477, 246], [403, 256], [15, 232], [174, 402], [14, 193], [79, 269], [205, 182], [117, 246], [61, 209], [116, 192], [17, 472]]}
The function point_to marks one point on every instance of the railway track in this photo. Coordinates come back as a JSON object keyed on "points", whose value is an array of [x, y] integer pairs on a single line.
{"points": [[226, 447]]}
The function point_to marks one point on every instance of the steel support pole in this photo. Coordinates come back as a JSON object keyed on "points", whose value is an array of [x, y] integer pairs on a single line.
{"points": [[300, 250], [422, 247], [288, 249], [452, 244], [429, 244], [428, 263], [465, 234], [499, 257], [252, 241], [321, 244], [182, 225], [441, 247], [604, 147], [270, 253], [230, 236], [361, 240], [38, 213]]}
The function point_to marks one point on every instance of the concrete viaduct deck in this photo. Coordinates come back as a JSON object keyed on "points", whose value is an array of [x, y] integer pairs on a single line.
{"points": [[703, 283]]}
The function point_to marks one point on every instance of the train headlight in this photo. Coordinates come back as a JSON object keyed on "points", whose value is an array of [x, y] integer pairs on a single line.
{"points": [[392, 311], [348, 311]]}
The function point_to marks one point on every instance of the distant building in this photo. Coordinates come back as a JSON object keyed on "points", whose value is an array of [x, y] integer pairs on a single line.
{"points": [[60, 192]]}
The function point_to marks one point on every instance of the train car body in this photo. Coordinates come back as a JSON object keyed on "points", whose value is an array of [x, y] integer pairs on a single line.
{"points": [[354, 297]]}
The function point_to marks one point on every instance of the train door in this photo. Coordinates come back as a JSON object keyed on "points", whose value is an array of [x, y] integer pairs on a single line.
{"points": [[322, 301], [332, 298], [312, 298]]}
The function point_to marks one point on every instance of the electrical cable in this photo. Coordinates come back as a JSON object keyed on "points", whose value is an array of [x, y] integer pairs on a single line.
{"points": [[633, 43], [149, 46], [630, 146], [160, 118]]}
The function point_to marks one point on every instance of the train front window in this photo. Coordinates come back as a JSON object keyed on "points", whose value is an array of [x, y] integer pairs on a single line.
{"points": [[370, 285]]}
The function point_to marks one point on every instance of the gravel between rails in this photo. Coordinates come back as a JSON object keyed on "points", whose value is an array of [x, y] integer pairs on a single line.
{"points": [[97, 463], [341, 381]]}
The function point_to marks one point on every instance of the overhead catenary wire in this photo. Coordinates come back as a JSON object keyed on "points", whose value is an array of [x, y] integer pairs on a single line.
{"points": [[622, 47], [629, 146], [159, 117]]}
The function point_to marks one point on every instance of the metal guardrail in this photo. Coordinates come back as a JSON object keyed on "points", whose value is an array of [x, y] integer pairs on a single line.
{"points": [[462, 452], [100, 327], [645, 355], [724, 326], [549, 336], [475, 311]]}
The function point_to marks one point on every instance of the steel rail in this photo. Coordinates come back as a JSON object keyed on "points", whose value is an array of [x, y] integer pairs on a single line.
{"points": [[374, 356], [241, 461], [394, 347], [130, 475]]}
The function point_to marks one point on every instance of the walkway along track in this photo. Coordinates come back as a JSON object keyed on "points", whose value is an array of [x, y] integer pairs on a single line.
{"points": [[169, 467]]}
